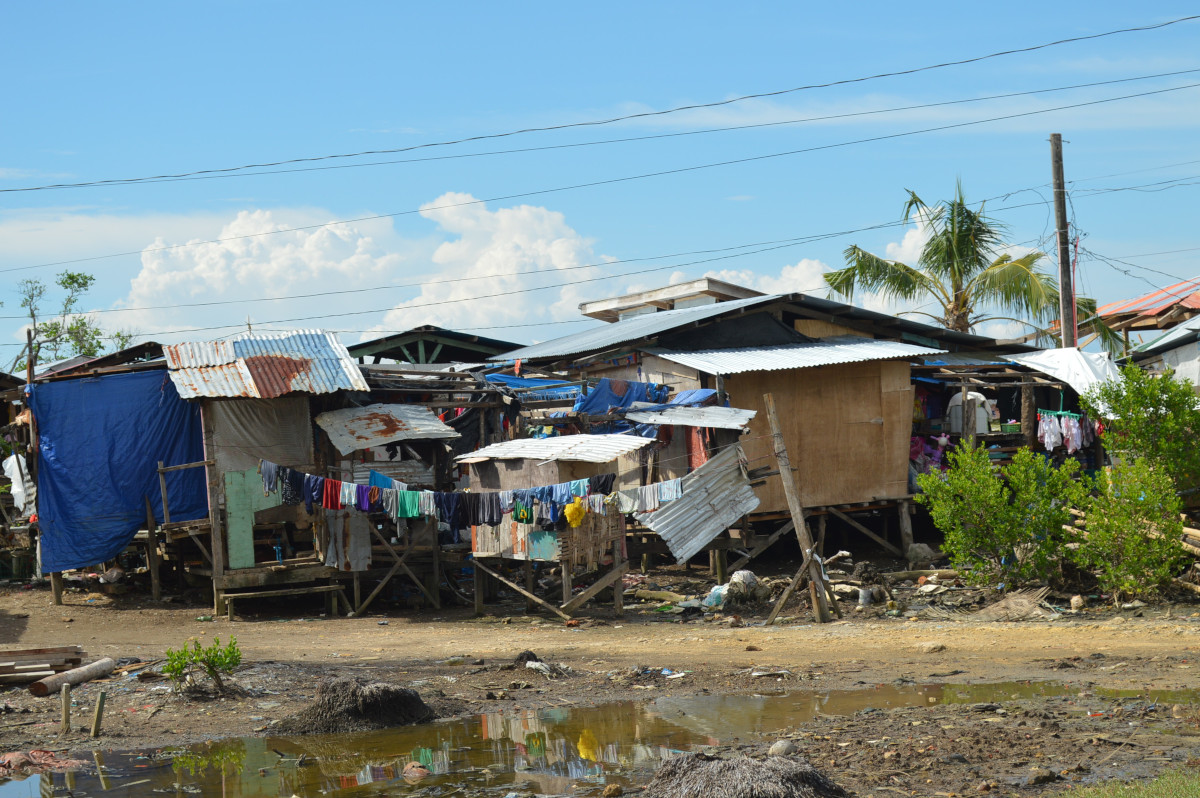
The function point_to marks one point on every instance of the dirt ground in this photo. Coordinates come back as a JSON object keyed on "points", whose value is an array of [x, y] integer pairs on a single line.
{"points": [[1025, 743]]}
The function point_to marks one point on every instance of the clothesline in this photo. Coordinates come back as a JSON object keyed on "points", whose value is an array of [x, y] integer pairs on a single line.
{"points": [[1075, 431], [459, 509]]}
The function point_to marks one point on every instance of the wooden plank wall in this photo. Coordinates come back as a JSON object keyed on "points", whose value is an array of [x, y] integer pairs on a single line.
{"points": [[846, 428]]}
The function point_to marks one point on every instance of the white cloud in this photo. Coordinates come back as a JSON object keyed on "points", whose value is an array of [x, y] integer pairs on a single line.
{"points": [[250, 265], [804, 277], [506, 253]]}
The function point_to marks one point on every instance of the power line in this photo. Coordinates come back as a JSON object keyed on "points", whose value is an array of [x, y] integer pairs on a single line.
{"points": [[771, 244], [1165, 252], [615, 180], [549, 147]]}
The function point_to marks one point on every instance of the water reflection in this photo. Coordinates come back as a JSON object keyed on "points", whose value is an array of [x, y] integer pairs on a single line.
{"points": [[553, 751]]}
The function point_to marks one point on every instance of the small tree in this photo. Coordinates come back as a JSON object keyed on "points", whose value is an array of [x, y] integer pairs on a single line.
{"points": [[213, 662], [69, 332], [1151, 418], [1003, 525], [1133, 531]]}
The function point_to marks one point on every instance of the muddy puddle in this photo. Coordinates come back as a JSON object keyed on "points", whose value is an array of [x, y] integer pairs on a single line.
{"points": [[554, 751]]}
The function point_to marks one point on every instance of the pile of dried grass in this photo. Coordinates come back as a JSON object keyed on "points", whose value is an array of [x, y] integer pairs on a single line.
{"points": [[347, 705], [701, 776]]}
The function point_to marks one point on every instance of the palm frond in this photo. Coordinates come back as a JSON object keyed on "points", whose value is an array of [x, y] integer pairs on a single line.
{"points": [[1017, 285], [867, 272]]}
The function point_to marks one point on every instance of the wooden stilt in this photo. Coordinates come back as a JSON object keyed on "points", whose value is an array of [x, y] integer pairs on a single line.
{"points": [[152, 549], [56, 587], [477, 580], [479, 566], [529, 585], [890, 547], [906, 533]]}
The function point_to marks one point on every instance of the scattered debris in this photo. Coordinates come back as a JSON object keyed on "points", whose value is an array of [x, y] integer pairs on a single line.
{"points": [[345, 705], [741, 777]]}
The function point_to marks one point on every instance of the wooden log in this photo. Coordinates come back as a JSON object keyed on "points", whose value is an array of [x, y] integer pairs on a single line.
{"points": [[50, 684], [940, 573], [658, 595], [23, 678], [1186, 585]]}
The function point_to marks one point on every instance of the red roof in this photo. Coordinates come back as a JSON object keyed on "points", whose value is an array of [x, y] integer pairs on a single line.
{"points": [[1185, 295]]}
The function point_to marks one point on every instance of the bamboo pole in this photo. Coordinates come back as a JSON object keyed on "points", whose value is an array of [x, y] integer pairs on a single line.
{"points": [[795, 506]]}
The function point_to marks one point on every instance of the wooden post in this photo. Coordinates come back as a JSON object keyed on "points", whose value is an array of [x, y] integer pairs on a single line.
{"points": [[796, 508], [1028, 413], [821, 519], [906, 536], [64, 697], [477, 581], [722, 566], [98, 716], [530, 585], [968, 417], [216, 537], [56, 587], [84, 673], [152, 549]]}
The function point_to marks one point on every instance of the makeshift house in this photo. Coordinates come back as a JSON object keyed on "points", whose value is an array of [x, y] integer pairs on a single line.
{"points": [[597, 541], [429, 344], [1177, 350], [840, 376]]}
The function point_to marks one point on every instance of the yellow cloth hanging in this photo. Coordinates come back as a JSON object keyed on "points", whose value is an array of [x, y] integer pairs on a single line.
{"points": [[575, 511]]}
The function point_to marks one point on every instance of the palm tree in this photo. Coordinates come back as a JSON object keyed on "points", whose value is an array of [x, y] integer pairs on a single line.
{"points": [[960, 268]]}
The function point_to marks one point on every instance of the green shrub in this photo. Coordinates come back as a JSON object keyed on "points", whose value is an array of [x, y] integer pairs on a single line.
{"points": [[1133, 531], [213, 662], [1155, 418], [1003, 525]]}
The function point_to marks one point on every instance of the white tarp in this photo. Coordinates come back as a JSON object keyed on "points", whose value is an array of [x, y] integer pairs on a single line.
{"points": [[1080, 370]]}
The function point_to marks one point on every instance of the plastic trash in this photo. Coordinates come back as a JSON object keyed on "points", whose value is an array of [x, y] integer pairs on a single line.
{"points": [[865, 597], [716, 597]]}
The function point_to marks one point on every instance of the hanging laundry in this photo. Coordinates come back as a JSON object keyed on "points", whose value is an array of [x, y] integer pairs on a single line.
{"points": [[427, 504], [506, 501], [291, 485], [450, 510], [349, 495], [362, 498], [313, 491], [627, 501], [380, 480], [387, 500], [670, 490], [578, 487], [490, 513], [647, 498], [471, 509], [408, 504], [575, 511], [601, 483], [597, 503], [522, 512], [270, 476], [332, 498]]}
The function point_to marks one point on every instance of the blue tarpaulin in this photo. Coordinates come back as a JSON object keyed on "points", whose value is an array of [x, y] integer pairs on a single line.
{"points": [[99, 444], [609, 394], [550, 389]]}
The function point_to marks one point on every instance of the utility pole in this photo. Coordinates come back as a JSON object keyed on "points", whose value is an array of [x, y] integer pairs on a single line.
{"points": [[1067, 322]]}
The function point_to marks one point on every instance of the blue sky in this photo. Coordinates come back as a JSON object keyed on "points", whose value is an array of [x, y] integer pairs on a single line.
{"points": [[135, 90]]}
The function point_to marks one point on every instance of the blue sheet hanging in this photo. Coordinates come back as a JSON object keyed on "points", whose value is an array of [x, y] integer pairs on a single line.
{"points": [[99, 443]]}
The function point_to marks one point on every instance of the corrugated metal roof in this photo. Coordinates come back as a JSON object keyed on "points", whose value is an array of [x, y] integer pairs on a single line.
{"points": [[631, 329], [1185, 333], [966, 359], [352, 429], [715, 496], [584, 448], [264, 366], [719, 417], [826, 352]]}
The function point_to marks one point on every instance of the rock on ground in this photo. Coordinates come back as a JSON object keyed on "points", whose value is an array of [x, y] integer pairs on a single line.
{"points": [[348, 705], [701, 776]]}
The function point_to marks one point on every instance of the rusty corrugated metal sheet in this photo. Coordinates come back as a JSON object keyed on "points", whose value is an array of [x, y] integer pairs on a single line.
{"points": [[715, 496], [584, 448], [352, 429], [264, 366]]}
